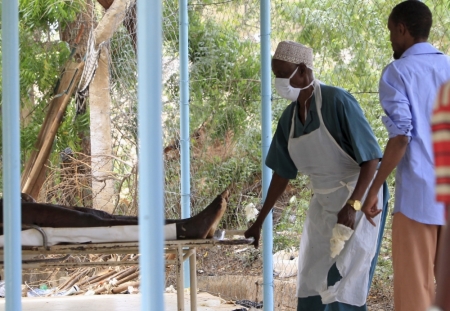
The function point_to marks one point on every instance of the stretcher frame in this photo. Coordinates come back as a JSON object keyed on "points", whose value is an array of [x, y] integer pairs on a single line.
{"points": [[183, 250]]}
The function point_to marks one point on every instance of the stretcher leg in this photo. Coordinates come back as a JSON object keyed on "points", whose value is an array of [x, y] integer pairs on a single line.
{"points": [[193, 277], [180, 278]]}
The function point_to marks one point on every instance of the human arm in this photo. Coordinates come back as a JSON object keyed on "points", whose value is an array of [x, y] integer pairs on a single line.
{"points": [[399, 124], [279, 160], [277, 187], [441, 146], [440, 126], [394, 152], [346, 215]]}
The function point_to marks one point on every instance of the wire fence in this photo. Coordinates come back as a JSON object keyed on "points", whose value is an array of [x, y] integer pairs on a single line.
{"points": [[351, 47]]}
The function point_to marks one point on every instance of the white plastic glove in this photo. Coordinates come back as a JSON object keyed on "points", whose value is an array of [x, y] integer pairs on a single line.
{"points": [[341, 234]]}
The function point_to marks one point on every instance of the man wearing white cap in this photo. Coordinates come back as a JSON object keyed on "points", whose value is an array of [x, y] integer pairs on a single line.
{"points": [[323, 134]]}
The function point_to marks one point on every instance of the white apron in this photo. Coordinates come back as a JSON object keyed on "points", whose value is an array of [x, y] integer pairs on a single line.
{"points": [[333, 175]]}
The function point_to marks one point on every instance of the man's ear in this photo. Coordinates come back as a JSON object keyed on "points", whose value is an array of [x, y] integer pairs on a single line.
{"points": [[402, 29]]}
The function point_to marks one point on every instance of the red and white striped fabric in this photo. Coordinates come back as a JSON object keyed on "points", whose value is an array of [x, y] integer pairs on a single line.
{"points": [[441, 143]]}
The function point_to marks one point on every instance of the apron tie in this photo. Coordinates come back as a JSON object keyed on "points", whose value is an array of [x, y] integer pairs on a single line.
{"points": [[350, 187]]}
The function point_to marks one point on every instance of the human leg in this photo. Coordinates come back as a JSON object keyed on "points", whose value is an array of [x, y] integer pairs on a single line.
{"points": [[214, 210], [414, 248], [202, 225], [333, 277], [314, 303], [49, 215]]}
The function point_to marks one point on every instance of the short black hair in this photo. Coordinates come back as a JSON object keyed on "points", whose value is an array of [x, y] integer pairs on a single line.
{"points": [[415, 15]]}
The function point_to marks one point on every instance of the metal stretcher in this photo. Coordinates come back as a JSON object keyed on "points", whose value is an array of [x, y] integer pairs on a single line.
{"points": [[183, 250]]}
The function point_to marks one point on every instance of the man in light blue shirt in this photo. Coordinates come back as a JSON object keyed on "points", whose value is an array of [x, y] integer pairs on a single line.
{"points": [[408, 87]]}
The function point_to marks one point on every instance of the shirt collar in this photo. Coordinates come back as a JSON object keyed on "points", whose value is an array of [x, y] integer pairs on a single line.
{"points": [[421, 48]]}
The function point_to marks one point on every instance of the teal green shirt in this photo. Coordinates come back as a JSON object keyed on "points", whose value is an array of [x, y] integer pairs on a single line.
{"points": [[344, 119]]}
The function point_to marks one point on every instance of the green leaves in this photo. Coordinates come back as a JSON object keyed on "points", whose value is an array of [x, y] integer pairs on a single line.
{"points": [[47, 14], [42, 56]]}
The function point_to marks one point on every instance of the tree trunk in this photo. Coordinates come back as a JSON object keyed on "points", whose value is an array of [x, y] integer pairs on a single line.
{"points": [[100, 105], [129, 22], [106, 3], [101, 144]]}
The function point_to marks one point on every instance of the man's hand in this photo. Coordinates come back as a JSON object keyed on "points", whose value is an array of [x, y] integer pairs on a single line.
{"points": [[255, 232], [346, 216], [370, 208]]}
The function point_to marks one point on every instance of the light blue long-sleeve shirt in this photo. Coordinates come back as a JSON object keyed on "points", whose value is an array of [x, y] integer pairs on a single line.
{"points": [[408, 88]]}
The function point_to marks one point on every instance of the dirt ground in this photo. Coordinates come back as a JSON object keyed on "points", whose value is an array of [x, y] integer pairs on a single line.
{"points": [[235, 273]]}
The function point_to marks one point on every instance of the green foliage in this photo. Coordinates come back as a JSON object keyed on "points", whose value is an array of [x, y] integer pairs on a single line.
{"points": [[68, 135], [42, 56], [48, 14], [290, 226], [40, 66], [223, 73]]}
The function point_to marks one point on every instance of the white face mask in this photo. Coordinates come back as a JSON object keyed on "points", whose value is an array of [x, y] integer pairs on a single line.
{"points": [[285, 90]]}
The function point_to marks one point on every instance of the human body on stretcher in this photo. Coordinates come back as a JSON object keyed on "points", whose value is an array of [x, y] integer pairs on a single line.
{"points": [[200, 226]]}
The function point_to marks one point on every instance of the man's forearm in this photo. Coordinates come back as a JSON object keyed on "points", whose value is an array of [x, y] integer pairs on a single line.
{"points": [[276, 189], [394, 152], [366, 174]]}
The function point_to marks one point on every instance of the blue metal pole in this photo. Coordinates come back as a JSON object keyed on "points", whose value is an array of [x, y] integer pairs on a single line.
{"points": [[11, 155], [266, 118], [151, 180], [184, 122]]}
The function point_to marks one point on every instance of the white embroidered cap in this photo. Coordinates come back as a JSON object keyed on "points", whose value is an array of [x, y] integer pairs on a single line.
{"points": [[293, 52]]}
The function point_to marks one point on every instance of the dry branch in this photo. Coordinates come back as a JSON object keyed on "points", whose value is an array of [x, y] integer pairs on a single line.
{"points": [[128, 278], [97, 278], [124, 287], [70, 282]]}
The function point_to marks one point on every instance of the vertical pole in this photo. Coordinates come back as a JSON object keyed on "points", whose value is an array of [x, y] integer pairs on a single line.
{"points": [[266, 118], [184, 122], [11, 155], [151, 181], [180, 282], [193, 268]]}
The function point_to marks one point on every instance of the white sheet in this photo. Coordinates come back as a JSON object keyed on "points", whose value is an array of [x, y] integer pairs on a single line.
{"points": [[32, 237]]}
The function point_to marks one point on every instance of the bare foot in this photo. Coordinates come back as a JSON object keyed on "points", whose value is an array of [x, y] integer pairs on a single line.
{"points": [[204, 224], [213, 228]]}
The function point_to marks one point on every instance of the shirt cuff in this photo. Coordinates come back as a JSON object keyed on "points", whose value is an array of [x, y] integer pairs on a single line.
{"points": [[393, 130]]}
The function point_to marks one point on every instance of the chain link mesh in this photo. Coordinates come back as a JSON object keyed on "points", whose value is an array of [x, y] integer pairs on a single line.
{"points": [[351, 47]]}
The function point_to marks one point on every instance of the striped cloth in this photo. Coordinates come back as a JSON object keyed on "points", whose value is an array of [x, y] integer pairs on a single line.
{"points": [[441, 143]]}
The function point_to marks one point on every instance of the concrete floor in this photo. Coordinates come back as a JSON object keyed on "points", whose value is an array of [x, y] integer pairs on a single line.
{"points": [[206, 302]]}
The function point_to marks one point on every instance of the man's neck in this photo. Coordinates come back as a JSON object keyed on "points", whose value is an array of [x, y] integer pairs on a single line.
{"points": [[410, 43], [304, 102]]}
